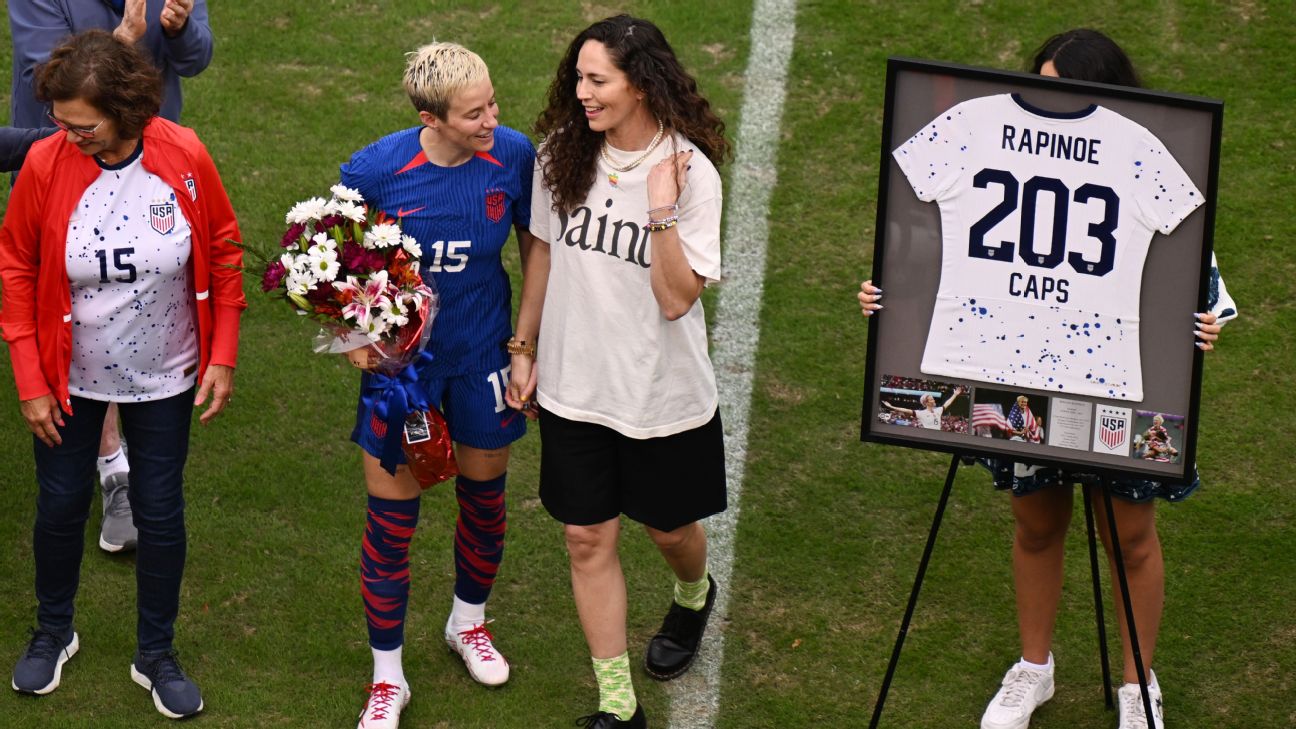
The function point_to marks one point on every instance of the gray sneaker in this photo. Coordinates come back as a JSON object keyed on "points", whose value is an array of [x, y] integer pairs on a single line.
{"points": [[117, 533]]}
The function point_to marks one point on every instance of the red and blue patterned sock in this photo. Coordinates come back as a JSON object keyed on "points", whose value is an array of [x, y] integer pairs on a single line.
{"points": [[384, 569], [479, 537]]}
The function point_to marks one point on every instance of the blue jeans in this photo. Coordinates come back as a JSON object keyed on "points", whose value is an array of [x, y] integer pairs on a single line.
{"points": [[158, 436]]}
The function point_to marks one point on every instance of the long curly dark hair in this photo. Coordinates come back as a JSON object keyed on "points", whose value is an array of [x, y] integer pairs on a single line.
{"points": [[639, 49]]}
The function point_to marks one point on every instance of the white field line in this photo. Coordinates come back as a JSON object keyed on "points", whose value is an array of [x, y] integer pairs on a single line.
{"points": [[695, 697]]}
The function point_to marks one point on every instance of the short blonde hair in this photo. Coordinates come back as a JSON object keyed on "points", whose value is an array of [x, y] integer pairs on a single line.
{"points": [[438, 71]]}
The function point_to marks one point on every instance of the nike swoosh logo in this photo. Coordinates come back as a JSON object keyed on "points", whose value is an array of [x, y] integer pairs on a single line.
{"points": [[405, 213]]}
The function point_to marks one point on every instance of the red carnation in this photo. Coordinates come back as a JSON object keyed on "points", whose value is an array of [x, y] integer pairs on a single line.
{"points": [[292, 235], [274, 273], [356, 259], [328, 222]]}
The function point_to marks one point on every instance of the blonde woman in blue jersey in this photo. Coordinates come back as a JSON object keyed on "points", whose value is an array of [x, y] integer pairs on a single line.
{"points": [[1042, 496], [459, 182]]}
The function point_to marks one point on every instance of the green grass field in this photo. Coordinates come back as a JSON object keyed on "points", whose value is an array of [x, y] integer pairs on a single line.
{"points": [[830, 531]]}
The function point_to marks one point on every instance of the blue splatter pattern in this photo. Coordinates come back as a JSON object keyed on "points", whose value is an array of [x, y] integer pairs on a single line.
{"points": [[133, 325]]}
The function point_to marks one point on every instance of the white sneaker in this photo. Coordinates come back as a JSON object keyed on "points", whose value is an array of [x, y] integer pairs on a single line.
{"points": [[383, 709], [1022, 691], [1132, 713], [475, 645]]}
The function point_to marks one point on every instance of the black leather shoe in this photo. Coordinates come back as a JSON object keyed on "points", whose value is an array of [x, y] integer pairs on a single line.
{"points": [[671, 651], [607, 720]]}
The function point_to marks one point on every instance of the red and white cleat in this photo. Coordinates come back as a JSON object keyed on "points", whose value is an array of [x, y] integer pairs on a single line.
{"points": [[383, 709], [475, 645]]}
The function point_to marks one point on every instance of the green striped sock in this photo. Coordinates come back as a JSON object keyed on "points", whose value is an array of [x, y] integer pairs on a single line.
{"points": [[692, 595], [616, 690]]}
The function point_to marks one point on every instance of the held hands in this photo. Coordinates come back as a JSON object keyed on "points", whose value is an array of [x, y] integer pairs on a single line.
{"points": [[218, 382], [43, 418], [868, 297], [133, 24], [667, 178], [174, 16], [522, 384]]}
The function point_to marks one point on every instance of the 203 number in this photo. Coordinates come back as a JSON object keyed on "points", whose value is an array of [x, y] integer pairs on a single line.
{"points": [[1102, 231]]}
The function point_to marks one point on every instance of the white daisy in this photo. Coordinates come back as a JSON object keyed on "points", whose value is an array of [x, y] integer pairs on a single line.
{"points": [[322, 240], [324, 266], [306, 211], [376, 328], [342, 192], [411, 246], [351, 211], [383, 235], [393, 312]]}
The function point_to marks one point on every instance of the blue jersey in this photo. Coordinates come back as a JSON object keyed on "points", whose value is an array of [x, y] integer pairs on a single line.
{"points": [[461, 217]]}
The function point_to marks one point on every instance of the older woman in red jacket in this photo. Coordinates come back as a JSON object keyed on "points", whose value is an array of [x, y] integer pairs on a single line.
{"points": [[113, 257]]}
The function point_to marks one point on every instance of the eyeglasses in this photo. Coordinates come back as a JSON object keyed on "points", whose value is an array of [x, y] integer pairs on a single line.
{"points": [[83, 132]]}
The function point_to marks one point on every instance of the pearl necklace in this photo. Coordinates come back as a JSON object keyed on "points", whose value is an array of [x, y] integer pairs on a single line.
{"points": [[626, 168]]}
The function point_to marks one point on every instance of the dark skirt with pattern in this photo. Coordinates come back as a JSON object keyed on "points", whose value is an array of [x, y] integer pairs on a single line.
{"points": [[1022, 479]]}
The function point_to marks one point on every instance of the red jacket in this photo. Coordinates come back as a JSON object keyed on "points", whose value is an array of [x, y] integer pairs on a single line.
{"points": [[36, 302]]}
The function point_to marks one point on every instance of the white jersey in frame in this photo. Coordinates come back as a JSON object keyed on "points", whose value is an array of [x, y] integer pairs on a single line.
{"points": [[1046, 220]]}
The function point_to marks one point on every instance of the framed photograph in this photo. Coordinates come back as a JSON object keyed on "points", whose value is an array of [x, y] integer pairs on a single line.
{"points": [[1042, 245]]}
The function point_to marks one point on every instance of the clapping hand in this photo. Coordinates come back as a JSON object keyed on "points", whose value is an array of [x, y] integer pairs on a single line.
{"points": [[133, 24], [174, 16]]}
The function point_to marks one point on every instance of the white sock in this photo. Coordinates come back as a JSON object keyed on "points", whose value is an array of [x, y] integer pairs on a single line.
{"points": [[387, 666], [465, 614], [115, 463], [1044, 667]]}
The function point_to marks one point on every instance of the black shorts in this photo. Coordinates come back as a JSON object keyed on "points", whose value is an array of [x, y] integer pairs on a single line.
{"points": [[590, 473]]}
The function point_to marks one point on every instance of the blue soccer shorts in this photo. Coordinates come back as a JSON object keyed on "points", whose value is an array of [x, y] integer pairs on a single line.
{"points": [[473, 406]]}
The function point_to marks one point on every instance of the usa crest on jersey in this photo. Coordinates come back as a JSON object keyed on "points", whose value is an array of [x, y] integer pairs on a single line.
{"points": [[162, 217], [495, 205]]}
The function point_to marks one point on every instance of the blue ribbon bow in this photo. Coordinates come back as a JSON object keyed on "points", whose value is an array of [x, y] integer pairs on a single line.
{"points": [[392, 399]]}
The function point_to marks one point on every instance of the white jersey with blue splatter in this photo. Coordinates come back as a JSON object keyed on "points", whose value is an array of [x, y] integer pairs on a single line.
{"points": [[128, 249], [1046, 220]]}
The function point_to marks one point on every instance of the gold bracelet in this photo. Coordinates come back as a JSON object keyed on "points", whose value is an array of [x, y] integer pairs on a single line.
{"points": [[657, 226], [520, 346]]}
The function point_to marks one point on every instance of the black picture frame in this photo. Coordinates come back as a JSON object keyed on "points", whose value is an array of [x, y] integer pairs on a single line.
{"points": [[906, 265]]}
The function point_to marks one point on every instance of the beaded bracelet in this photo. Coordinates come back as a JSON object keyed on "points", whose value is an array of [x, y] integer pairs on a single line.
{"points": [[657, 226], [520, 346]]}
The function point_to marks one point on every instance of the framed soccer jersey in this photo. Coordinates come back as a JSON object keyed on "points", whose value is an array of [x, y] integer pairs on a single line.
{"points": [[1043, 245]]}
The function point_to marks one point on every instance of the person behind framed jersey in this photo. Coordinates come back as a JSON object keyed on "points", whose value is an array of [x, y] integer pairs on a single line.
{"points": [[626, 210], [120, 285], [930, 415], [459, 182], [1042, 497]]}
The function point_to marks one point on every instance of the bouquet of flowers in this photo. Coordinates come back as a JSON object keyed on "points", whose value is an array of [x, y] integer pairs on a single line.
{"points": [[356, 273]]}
